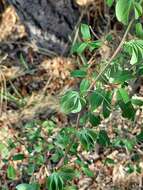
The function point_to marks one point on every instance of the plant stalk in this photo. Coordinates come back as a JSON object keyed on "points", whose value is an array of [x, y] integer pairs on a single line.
{"points": [[59, 165], [114, 54]]}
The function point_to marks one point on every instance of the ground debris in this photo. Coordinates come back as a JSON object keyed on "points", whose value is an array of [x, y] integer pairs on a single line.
{"points": [[10, 24]]}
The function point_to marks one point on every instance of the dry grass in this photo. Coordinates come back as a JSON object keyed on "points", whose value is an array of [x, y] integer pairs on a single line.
{"points": [[10, 24]]}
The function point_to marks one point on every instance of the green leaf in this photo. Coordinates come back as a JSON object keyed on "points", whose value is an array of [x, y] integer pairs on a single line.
{"points": [[87, 138], [22, 186], [11, 173], [18, 157], [25, 186], [123, 8], [34, 186], [55, 182], [123, 95], [110, 2], [128, 110], [129, 144], [49, 126], [55, 157], [129, 168], [67, 173], [138, 10], [94, 120], [139, 137], [84, 119], [71, 102], [107, 104], [135, 157], [94, 45], [88, 172], [96, 99], [134, 57], [139, 30], [109, 161], [78, 73], [84, 85], [122, 76], [138, 169], [117, 142], [135, 48], [81, 48], [31, 168], [103, 138], [85, 31], [140, 70], [137, 102]]}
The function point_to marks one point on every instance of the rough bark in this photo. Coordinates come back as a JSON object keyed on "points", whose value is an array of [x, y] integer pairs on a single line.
{"points": [[49, 23]]}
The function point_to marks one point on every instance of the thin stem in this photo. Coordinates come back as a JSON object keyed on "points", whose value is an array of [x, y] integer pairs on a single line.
{"points": [[114, 55]]}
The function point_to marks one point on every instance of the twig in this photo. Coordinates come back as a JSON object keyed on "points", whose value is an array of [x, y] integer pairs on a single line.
{"points": [[96, 36], [3, 89]]}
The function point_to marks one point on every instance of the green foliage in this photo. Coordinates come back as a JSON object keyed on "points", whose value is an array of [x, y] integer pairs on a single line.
{"points": [[87, 43], [139, 30], [123, 95], [84, 85], [11, 173], [128, 110], [110, 2], [123, 8], [129, 144], [78, 73], [140, 137], [87, 138], [71, 102], [55, 182], [94, 119], [107, 104], [135, 49], [110, 89], [85, 32], [96, 99], [109, 161], [18, 157], [122, 76], [25, 186], [137, 9], [87, 171], [100, 91], [67, 173], [103, 138]]}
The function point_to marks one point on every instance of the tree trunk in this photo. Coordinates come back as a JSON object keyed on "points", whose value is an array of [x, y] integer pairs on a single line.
{"points": [[49, 23]]}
